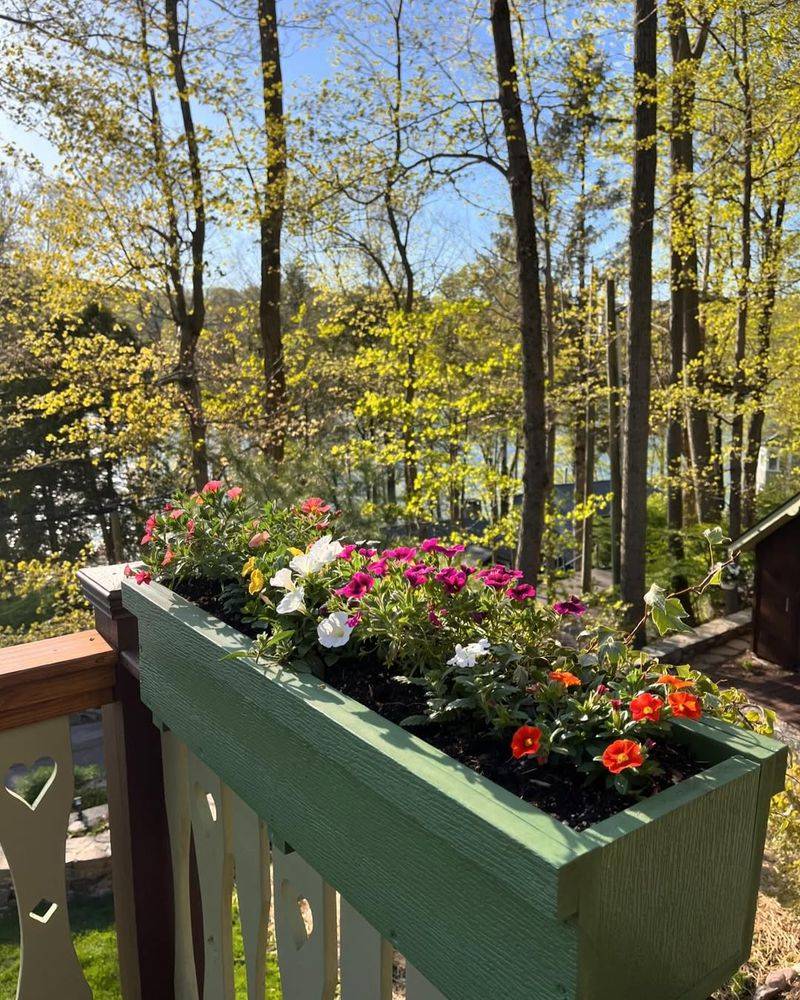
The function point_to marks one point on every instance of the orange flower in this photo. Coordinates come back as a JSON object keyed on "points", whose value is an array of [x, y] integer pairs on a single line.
{"points": [[646, 708], [525, 741], [622, 754], [685, 705], [674, 682], [564, 677]]}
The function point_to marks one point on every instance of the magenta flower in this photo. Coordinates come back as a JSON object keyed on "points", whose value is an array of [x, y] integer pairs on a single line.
{"points": [[358, 585], [452, 579], [354, 620], [435, 546], [402, 553], [522, 592], [377, 567], [430, 545], [417, 574], [435, 617], [367, 553], [499, 577], [572, 606], [346, 552]]}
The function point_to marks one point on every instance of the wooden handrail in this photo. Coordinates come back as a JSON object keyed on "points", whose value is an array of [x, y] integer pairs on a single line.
{"points": [[54, 677]]}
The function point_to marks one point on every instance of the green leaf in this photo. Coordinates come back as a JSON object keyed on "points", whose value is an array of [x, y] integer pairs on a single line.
{"points": [[415, 720], [656, 597]]}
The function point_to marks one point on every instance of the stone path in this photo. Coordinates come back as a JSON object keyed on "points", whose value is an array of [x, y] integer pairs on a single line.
{"points": [[718, 633]]}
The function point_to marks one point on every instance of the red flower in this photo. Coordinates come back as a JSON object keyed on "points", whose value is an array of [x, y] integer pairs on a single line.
{"points": [[678, 683], [685, 705], [143, 576], [564, 677], [315, 506], [623, 754], [234, 493], [646, 708], [522, 592], [525, 741], [212, 486]]}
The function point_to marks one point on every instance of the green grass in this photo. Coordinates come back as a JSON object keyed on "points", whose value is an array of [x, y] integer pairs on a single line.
{"points": [[96, 945]]}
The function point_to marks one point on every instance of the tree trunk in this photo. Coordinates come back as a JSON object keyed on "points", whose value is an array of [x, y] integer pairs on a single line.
{"points": [[534, 476], [770, 262], [743, 294], [637, 423], [684, 260], [271, 209], [614, 428]]}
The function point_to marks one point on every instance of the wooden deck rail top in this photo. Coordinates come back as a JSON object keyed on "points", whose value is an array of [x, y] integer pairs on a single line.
{"points": [[54, 677]]}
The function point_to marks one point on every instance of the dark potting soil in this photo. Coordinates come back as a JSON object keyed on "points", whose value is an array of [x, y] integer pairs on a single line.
{"points": [[556, 787]]}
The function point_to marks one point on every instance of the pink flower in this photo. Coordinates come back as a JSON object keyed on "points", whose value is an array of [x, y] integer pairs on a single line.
{"points": [[367, 553], [146, 538], [259, 538], [403, 553], [354, 620], [190, 527], [143, 577], [572, 606], [234, 493], [149, 530], [176, 513], [358, 585], [522, 592], [315, 506], [346, 552], [377, 567], [169, 555], [212, 486], [127, 571], [499, 577], [417, 574], [602, 688], [452, 579], [435, 617], [434, 545]]}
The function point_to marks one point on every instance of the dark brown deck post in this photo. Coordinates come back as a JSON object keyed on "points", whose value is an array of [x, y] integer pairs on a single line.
{"points": [[140, 854]]}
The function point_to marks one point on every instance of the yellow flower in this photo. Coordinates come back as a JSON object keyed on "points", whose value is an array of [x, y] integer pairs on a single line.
{"points": [[256, 581], [296, 552], [249, 566]]}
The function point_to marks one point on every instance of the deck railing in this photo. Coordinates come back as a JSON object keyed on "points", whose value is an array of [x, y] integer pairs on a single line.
{"points": [[181, 843]]}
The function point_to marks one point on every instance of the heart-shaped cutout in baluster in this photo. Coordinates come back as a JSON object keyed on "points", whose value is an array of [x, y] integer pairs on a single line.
{"points": [[30, 782]]}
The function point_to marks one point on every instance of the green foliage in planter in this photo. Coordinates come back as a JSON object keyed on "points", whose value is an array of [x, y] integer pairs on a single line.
{"points": [[476, 647]]}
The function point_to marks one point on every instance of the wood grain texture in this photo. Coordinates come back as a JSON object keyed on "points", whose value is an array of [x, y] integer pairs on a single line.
{"points": [[54, 677], [428, 852], [251, 855]]}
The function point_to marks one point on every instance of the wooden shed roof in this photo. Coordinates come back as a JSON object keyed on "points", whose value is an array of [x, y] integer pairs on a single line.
{"points": [[774, 520]]}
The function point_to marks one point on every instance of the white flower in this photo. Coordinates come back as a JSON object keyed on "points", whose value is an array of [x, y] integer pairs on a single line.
{"points": [[293, 601], [467, 656], [322, 552], [334, 630], [283, 579]]}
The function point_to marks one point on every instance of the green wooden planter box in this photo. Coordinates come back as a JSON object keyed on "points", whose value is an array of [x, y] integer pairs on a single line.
{"points": [[486, 895]]}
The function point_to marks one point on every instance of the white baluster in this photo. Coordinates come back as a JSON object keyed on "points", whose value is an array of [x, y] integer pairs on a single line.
{"points": [[211, 824], [251, 862], [307, 961], [176, 793], [365, 958], [33, 836]]}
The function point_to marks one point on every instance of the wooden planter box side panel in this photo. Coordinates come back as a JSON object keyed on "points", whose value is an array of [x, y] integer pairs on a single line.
{"points": [[667, 881], [439, 864], [486, 895]]}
